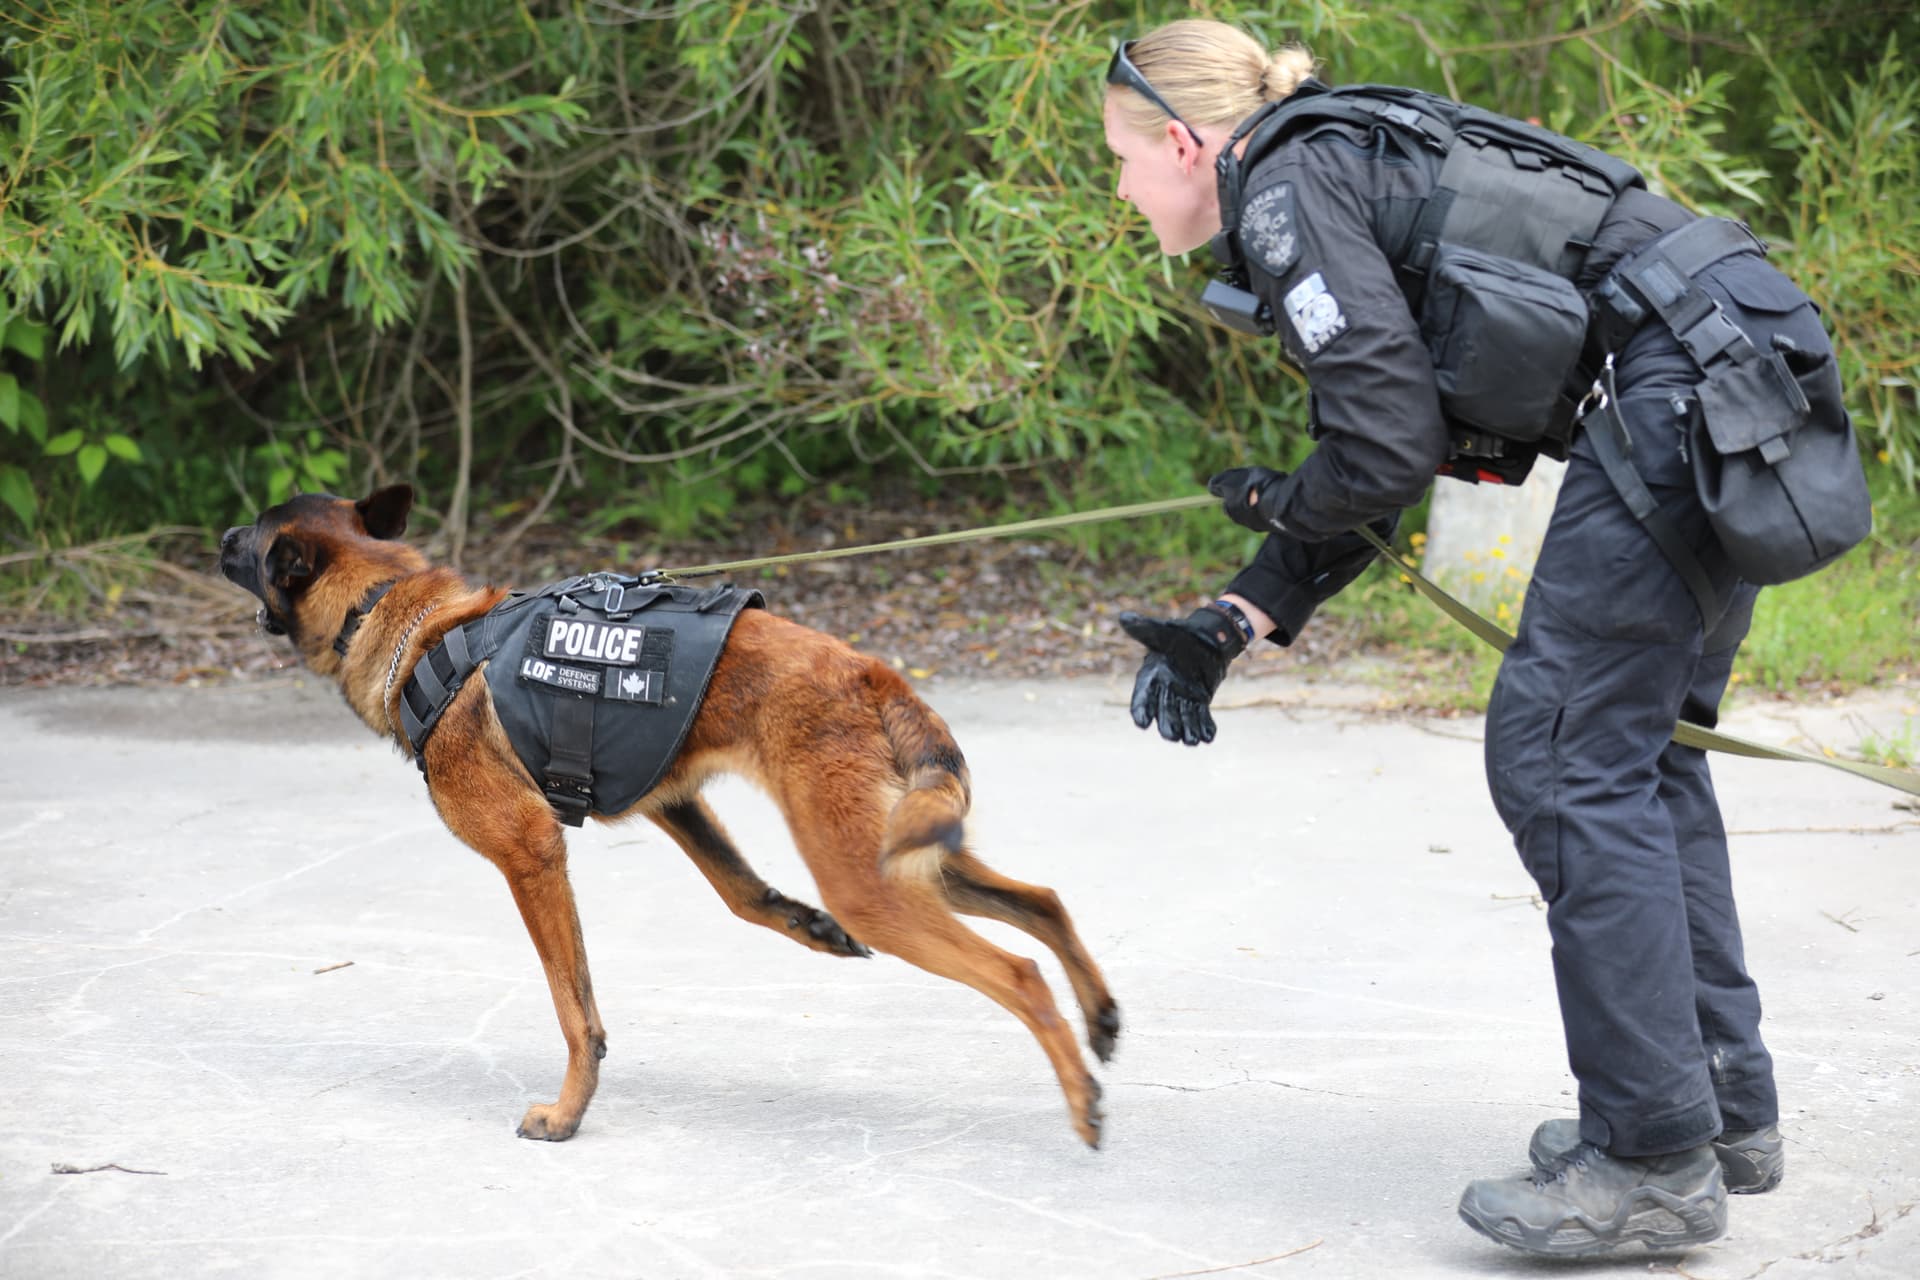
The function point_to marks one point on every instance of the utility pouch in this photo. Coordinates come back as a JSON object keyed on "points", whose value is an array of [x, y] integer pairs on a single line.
{"points": [[1238, 308], [1504, 337], [1776, 464]]}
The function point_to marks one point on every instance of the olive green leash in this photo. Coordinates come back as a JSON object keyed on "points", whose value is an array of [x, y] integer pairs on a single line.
{"points": [[960, 535], [1686, 733]]}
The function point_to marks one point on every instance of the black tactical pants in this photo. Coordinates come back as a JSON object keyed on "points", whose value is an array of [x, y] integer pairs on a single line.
{"points": [[1617, 824]]}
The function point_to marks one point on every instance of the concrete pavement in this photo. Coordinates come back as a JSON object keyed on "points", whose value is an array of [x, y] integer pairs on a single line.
{"points": [[1335, 985]]}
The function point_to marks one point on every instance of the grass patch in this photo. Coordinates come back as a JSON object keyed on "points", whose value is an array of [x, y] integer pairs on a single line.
{"points": [[1854, 623]]}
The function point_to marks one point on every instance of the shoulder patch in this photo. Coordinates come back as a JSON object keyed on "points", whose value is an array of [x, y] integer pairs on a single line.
{"points": [[1267, 231], [1315, 313]]}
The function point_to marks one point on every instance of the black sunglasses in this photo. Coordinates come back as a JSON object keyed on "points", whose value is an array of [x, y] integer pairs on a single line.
{"points": [[1122, 72]]}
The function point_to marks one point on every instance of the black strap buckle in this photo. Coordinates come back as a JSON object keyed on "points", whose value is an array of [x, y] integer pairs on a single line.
{"points": [[570, 797]]}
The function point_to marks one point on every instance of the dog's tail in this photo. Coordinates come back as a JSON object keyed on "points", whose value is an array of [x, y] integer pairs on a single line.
{"points": [[928, 821]]}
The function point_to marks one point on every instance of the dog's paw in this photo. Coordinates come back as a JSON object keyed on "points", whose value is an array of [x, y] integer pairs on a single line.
{"points": [[543, 1123], [1090, 1121], [1103, 1030], [825, 931]]}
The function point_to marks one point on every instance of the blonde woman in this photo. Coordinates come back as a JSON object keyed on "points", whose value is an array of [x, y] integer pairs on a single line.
{"points": [[1454, 285]]}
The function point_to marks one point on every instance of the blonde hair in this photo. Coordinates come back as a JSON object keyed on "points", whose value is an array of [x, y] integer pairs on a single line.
{"points": [[1209, 72]]}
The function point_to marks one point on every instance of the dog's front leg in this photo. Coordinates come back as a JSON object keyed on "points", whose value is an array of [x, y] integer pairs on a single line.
{"points": [[545, 898], [520, 835], [487, 800]]}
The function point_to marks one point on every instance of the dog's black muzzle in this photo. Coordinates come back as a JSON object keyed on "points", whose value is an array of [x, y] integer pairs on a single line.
{"points": [[241, 566]]}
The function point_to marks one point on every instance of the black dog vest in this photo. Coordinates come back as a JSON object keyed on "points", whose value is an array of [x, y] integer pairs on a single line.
{"points": [[596, 680]]}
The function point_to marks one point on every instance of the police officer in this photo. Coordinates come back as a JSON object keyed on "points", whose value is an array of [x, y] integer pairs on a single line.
{"points": [[1618, 825]]}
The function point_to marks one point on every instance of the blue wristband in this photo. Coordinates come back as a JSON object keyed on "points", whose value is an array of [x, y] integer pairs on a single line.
{"points": [[1240, 622]]}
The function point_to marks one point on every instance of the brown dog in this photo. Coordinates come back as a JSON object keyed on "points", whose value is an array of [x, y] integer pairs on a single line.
{"points": [[868, 777]]}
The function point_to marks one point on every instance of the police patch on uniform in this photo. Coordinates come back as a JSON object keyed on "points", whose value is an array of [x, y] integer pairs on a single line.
{"points": [[1315, 313], [1266, 229]]}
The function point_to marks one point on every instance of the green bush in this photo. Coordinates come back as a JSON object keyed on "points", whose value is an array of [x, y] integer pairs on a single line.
{"points": [[662, 264]]}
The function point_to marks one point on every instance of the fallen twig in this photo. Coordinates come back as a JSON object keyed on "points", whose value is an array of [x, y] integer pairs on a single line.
{"points": [[1238, 1266], [330, 968], [1889, 829], [101, 1168]]}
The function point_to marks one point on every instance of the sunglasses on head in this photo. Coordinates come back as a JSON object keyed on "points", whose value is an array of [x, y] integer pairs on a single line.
{"points": [[1122, 72]]}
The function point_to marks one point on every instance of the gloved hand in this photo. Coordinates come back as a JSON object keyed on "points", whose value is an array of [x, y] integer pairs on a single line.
{"points": [[1234, 487], [1186, 661]]}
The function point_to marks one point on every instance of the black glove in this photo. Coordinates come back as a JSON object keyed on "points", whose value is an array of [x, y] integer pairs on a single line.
{"points": [[1233, 486], [1185, 662]]}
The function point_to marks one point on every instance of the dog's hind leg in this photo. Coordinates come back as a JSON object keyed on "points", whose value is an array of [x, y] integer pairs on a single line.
{"points": [[694, 828], [976, 889], [908, 917], [912, 922]]}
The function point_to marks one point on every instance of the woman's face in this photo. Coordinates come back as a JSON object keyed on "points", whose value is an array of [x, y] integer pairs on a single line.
{"points": [[1168, 179]]}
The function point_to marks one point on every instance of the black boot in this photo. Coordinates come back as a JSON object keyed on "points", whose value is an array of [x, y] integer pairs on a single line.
{"points": [[1596, 1202], [1751, 1160]]}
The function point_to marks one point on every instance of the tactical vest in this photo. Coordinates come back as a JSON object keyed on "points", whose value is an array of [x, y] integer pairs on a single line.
{"points": [[596, 680], [1486, 262]]}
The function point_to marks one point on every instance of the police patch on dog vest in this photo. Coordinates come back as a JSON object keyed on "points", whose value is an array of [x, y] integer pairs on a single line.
{"points": [[624, 667]]}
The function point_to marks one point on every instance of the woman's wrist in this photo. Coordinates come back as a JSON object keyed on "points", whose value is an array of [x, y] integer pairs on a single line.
{"points": [[1258, 623]]}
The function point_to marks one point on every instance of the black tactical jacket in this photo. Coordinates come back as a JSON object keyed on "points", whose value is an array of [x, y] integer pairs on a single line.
{"points": [[1310, 226]]}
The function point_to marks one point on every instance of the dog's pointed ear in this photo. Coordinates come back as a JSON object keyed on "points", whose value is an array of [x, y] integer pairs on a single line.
{"points": [[289, 560], [384, 511]]}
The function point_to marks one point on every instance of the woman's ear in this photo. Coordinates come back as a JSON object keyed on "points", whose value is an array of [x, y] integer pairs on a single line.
{"points": [[1186, 153]]}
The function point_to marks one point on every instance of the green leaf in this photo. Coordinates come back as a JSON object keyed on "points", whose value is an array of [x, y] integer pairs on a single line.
{"points": [[65, 443], [91, 461], [33, 415], [16, 490], [26, 337], [122, 447], [10, 401]]}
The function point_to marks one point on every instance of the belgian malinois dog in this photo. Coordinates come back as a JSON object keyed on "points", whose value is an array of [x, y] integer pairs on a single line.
{"points": [[869, 778]]}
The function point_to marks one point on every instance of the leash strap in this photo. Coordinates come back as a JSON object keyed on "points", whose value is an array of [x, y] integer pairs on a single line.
{"points": [[962, 535], [1686, 733]]}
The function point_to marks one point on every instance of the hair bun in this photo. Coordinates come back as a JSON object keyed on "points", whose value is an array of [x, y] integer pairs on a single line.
{"points": [[1285, 69]]}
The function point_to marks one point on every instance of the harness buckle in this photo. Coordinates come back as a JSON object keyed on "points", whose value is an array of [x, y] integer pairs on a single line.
{"points": [[571, 798]]}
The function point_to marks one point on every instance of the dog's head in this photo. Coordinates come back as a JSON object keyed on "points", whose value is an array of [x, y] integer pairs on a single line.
{"points": [[286, 555]]}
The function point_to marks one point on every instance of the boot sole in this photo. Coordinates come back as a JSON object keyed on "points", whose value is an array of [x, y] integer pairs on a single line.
{"points": [[1660, 1220]]}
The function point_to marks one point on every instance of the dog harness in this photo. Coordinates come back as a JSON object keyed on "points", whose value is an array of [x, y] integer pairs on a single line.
{"points": [[595, 678]]}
